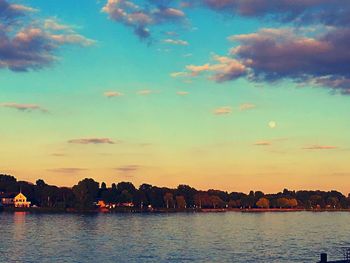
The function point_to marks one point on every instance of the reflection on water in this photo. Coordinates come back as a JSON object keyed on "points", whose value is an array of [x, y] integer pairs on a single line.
{"points": [[217, 237], [19, 226]]}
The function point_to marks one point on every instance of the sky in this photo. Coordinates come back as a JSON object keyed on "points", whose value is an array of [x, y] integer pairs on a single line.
{"points": [[218, 94]]}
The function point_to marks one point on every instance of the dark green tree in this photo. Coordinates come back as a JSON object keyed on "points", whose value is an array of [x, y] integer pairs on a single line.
{"points": [[86, 192]]}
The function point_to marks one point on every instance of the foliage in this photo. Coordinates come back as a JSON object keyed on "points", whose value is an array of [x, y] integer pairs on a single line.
{"points": [[87, 192], [263, 203]]}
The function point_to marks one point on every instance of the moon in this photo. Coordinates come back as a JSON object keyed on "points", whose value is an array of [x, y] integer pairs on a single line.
{"points": [[272, 124]]}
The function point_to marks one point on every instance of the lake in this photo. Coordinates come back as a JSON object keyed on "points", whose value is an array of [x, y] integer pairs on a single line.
{"points": [[180, 237]]}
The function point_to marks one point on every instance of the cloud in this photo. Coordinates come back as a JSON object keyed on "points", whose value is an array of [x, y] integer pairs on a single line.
{"points": [[128, 169], [263, 143], [176, 42], [258, 7], [92, 141], [223, 110], [182, 93], [178, 74], [341, 174], [223, 69], [23, 107], [145, 92], [58, 154], [320, 147], [141, 18], [111, 94], [54, 25], [334, 12], [167, 14], [271, 54], [66, 170], [171, 33], [274, 54], [246, 106], [270, 142], [29, 43], [9, 12]]}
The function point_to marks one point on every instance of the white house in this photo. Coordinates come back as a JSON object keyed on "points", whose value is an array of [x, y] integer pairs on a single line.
{"points": [[20, 200]]}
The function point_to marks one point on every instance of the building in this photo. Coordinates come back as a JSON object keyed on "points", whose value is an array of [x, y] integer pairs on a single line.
{"points": [[20, 200], [6, 199], [127, 204], [101, 204]]}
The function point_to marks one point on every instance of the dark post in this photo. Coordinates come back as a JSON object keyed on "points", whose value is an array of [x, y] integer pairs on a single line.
{"points": [[323, 258]]}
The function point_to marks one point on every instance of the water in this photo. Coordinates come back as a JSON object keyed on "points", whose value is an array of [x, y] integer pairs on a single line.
{"points": [[202, 237]]}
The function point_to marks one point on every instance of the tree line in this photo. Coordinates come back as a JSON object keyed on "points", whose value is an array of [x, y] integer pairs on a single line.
{"points": [[87, 192]]}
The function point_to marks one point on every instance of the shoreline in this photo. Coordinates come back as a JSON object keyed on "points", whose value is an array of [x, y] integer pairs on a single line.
{"points": [[161, 211]]}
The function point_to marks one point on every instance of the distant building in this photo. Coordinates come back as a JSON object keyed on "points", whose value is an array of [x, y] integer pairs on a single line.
{"points": [[127, 204], [101, 204], [6, 199], [20, 200]]}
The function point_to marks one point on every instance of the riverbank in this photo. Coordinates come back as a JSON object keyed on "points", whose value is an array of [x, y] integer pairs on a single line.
{"points": [[164, 210]]}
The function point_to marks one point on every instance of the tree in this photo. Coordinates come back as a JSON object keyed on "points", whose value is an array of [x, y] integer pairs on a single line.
{"points": [[40, 183], [180, 202], [67, 197], [126, 186], [248, 200], [125, 197], [282, 202], [202, 200], [333, 202], [286, 202], [187, 192], [293, 202], [145, 191], [263, 203], [234, 203], [8, 183], [258, 195], [86, 192], [168, 199], [216, 201], [317, 201]]}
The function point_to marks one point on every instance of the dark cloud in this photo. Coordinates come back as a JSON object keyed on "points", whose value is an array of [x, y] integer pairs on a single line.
{"points": [[328, 12], [128, 169], [31, 43], [319, 59], [273, 54], [10, 12], [92, 141], [141, 18], [290, 8], [71, 170]]}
